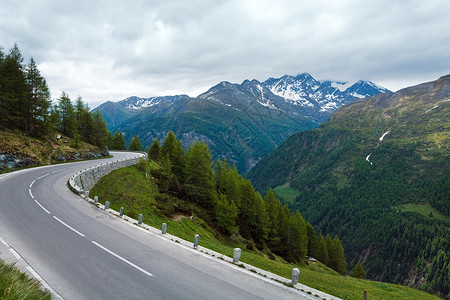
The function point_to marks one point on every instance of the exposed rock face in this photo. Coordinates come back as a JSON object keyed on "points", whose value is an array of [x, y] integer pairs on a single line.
{"points": [[10, 161], [80, 155], [13, 161]]}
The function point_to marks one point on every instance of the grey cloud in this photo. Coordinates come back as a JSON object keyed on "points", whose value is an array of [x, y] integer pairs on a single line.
{"points": [[106, 50]]}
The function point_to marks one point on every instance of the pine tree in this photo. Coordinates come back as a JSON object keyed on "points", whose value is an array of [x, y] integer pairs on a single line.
{"points": [[13, 91], [38, 102], [312, 240], [283, 231], [117, 141], [172, 148], [262, 222], [273, 205], [336, 258], [101, 135], [200, 184], [322, 253], [227, 181], [358, 271], [297, 243], [135, 144], [85, 122], [153, 151], [226, 215], [67, 115]]}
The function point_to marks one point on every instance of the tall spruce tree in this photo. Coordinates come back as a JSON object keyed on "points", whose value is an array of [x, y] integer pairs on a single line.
{"points": [[173, 149], [358, 271], [68, 124], [13, 91], [153, 151], [117, 141], [135, 144], [200, 184], [322, 252], [85, 122], [273, 206], [101, 135], [312, 240], [336, 257], [226, 215], [38, 102]]}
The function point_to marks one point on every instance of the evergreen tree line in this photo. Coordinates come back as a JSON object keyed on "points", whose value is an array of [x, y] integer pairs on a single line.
{"points": [[235, 208], [24, 95], [76, 121], [117, 142], [25, 104]]}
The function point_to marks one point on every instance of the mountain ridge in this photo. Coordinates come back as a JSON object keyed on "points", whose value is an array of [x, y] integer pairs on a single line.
{"points": [[263, 119]]}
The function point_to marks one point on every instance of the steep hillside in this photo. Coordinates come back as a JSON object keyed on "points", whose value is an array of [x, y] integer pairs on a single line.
{"points": [[377, 174], [242, 122], [20, 151], [243, 132]]}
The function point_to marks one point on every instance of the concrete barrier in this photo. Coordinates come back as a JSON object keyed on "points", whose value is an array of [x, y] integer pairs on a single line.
{"points": [[86, 179]]}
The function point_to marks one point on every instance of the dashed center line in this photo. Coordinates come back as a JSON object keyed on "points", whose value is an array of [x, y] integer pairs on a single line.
{"points": [[29, 191], [71, 228], [57, 171], [32, 183], [43, 176], [41, 206], [123, 259]]}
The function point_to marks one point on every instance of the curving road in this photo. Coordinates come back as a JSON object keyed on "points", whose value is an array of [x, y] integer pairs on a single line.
{"points": [[83, 252]]}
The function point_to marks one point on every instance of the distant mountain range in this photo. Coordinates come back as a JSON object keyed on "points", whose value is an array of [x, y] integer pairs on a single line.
{"points": [[377, 175], [240, 122]]}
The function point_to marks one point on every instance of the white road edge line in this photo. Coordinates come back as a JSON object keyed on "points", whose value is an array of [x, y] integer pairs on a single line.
{"points": [[43, 176], [71, 228], [41, 206], [14, 252], [29, 191], [123, 259], [3, 241], [32, 183], [44, 284]]}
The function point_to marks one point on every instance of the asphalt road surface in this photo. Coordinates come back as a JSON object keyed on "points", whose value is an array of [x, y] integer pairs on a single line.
{"points": [[83, 252]]}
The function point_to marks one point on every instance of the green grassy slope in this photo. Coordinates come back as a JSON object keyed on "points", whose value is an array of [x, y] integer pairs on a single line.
{"points": [[132, 189]]}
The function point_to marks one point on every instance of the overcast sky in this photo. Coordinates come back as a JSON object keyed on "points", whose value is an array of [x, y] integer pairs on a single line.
{"points": [[109, 50]]}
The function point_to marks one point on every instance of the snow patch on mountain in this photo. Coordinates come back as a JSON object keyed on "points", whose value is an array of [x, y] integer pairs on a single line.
{"points": [[342, 86]]}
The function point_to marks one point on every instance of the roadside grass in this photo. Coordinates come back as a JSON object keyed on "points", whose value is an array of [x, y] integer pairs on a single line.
{"points": [[134, 190], [424, 209], [16, 285]]}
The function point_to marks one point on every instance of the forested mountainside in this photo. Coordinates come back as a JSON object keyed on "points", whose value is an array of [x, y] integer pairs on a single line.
{"points": [[377, 174], [240, 122]]}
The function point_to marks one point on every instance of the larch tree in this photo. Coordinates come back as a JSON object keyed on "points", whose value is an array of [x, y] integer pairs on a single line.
{"points": [[173, 149], [358, 271], [200, 184], [135, 144], [153, 151], [67, 115], [312, 240], [226, 215]]}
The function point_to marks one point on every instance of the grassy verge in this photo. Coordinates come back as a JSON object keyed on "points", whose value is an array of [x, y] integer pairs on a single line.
{"points": [[16, 285], [133, 190]]}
